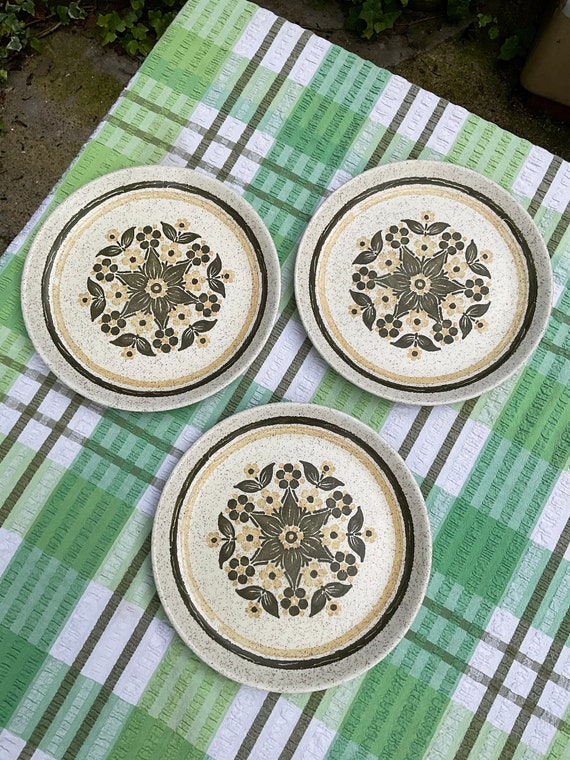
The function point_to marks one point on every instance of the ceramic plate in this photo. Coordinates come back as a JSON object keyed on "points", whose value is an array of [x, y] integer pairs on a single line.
{"points": [[423, 282], [151, 288], [291, 547]]}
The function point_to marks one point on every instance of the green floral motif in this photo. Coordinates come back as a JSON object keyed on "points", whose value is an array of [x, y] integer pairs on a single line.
{"points": [[155, 290], [291, 539], [420, 285]]}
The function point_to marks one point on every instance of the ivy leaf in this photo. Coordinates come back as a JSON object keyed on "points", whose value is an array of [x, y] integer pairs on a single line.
{"points": [[357, 546], [471, 253], [414, 226], [437, 228], [427, 344], [318, 601], [143, 346], [376, 243], [266, 474], [128, 339], [127, 237], [477, 310], [328, 483], [369, 316], [248, 486], [202, 325], [187, 237], [97, 308], [169, 231], [250, 592], [95, 289], [214, 268], [311, 472], [336, 589], [365, 257], [479, 268], [110, 250], [355, 522], [465, 325], [269, 603], [360, 298], [225, 527], [217, 286], [405, 341], [187, 338], [226, 552]]}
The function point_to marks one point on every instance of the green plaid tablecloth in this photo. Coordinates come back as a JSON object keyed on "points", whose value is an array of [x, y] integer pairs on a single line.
{"points": [[89, 665]]}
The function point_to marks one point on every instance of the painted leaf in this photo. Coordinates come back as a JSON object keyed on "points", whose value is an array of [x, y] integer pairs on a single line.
{"points": [[471, 253], [217, 286], [290, 512], [174, 273], [311, 472], [427, 344], [292, 559], [479, 268], [441, 286], [169, 231], [318, 601], [110, 250], [365, 257], [248, 486], [143, 346], [127, 237], [335, 590], [203, 325], [405, 341], [376, 243], [269, 524], [410, 263], [414, 226], [95, 289], [328, 483], [152, 266], [225, 526], [97, 308], [430, 304], [432, 267], [478, 310], [214, 268], [139, 301], [356, 521], [360, 298], [226, 552], [134, 280], [250, 592], [398, 281], [437, 228], [312, 548], [269, 551], [160, 307], [128, 339], [187, 338], [266, 474], [312, 523], [465, 325], [177, 294], [369, 316], [187, 237], [407, 302], [269, 603], [357, 545]]}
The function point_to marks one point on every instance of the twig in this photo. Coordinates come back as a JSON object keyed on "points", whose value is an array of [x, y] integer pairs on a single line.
{"points": [[422, 20], [49, 31]]}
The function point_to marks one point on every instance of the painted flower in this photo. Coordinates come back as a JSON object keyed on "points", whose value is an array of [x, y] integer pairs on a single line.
{"points": [[385, 299], [445, 331], [249, 538], [353, 311], [181, 316], [202, 341], [452, 305], [426, 246], [227, 275], [194, 281], [105, 270], [112, 236], [84, 299], [132, 258], [112, 323], [420, 285], [415, 321], [165, 341], [251, 470], [289, 476], [427, 216], [310, 500], [369, 535], [414, 353], [128, 353], [315, 574], [456, 267], [480, 325], [119, 295], [333, 607], [476, 289], [268, 501], [139, 323], [213, 539], [327, 468], [363, 243], [486, 256], [451, 242], [170, 253], [290, 539], [397, 236], [156, 288], [271, 576], [183, 224], [386, 261], [333, 536], [253, 609]]}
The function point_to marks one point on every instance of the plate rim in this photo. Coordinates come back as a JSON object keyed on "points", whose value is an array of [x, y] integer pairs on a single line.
{"points": [[447, 172], [225, 661], [34, 265]]}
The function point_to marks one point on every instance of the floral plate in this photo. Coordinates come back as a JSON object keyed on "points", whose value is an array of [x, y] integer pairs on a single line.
{"points": [[291, 547], [151, 288], [423, 282]]}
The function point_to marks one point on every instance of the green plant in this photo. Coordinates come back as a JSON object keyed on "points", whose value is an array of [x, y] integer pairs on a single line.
{"points": [[139, 26], [371, 17]]}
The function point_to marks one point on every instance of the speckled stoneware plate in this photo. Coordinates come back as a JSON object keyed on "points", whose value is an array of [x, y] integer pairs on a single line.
{"points": [[423, 282], [151, 288], [291, 547]]}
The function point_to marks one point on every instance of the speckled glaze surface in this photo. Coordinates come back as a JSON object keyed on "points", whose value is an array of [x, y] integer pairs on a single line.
{"points": [[151, 288], [423, 282], [291, 547]]}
